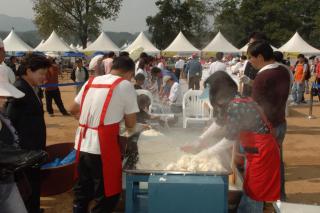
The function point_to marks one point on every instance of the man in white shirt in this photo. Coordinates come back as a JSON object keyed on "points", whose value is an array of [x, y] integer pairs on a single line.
{"points": [[4, 68], [179, 67], [218, 65], [100, 105], [175, 96]]}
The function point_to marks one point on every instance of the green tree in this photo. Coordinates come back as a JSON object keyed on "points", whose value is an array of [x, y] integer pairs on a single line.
{"points": [[80, 18], [175, 16], [278, 19]]}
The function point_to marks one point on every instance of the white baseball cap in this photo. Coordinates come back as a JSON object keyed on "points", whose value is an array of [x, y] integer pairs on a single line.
{"points": [[165, 79], [7, 89]]}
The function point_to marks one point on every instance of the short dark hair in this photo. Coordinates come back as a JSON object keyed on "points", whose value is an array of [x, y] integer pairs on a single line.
{"points": [[143, 55], [258, 36], [111, 54], [79, 60], [143, 101], [243, 57], [124, 53], [139, 77], [261, 48], [12, 57], [278, 56], [219, 55], [155, 70], [34, 63], [300, 56], [221, 87], [123, 63]]}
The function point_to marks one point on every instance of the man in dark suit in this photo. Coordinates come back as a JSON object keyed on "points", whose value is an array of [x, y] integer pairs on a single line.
{"points": [[27, 117]]}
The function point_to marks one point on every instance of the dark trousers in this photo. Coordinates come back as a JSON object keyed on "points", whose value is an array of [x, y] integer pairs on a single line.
{"points": [[56, 96], [33, 202], [280, 135], [194, 82], [177, 73], [90, 186]]}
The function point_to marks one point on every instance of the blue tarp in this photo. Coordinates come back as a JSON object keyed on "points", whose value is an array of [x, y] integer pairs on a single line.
{"points": [[70, 158], [73, 54]]}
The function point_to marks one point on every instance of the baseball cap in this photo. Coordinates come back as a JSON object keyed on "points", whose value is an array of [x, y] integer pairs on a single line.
{"points": [[7, 89], [165, 79]]}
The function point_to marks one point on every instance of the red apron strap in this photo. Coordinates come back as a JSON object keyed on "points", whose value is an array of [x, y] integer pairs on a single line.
{"points": [[108, 99], [82, 132], [86, 89]]}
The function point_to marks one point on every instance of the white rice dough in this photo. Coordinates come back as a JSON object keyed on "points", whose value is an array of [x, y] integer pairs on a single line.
{"points": [[161, 151]]}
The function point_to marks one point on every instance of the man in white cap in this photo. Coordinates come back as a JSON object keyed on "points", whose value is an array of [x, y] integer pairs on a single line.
{"points": [[10, 198], [4, 68]]}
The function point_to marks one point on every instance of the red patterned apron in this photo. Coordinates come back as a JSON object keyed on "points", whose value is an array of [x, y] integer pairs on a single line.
{"points": [[262, 174]]}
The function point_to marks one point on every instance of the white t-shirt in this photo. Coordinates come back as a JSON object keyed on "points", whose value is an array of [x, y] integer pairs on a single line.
{"points": [[9, 73], [160, 65], [142, 72], [80, 74], [123, 102], [179, 64], [217, 66], [175, 96]]}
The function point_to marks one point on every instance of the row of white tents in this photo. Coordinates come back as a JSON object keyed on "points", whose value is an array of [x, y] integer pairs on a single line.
{"points": [[180, 45]]}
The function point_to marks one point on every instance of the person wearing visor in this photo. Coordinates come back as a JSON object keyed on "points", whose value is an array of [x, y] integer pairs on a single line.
{"points": [[241, 119], [10, 198]]}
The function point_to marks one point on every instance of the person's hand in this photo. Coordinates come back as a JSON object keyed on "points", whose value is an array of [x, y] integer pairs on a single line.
{"points": [[245, 79], [145, 126]]}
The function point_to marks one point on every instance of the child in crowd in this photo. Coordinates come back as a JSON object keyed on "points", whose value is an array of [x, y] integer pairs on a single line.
{"points": [[140, 80]]}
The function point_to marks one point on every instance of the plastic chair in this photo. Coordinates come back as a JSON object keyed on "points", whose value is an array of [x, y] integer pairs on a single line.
{"points": [[194, 108]]}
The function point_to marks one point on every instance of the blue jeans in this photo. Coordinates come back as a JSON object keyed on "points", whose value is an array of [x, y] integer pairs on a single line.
{"points": [[247, 205], [10, 199], [298, 91], [280, 134]]}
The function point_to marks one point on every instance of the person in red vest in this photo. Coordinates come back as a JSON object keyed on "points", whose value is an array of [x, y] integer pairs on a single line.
{"points": [[242, 119], [100, 105]]}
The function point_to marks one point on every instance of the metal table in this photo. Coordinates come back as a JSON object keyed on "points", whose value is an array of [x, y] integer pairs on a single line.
{"points": [[134, 176]]}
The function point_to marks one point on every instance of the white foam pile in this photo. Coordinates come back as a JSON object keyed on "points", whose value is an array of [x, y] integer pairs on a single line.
{"points": [[162, 151]]}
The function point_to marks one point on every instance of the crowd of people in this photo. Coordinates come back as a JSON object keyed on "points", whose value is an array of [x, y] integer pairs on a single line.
{"points": [[252, 110]]}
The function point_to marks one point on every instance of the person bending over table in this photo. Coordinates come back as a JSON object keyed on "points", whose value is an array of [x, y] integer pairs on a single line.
{"points": [[243, 120]]}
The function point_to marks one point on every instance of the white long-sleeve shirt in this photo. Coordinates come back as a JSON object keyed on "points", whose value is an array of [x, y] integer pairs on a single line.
{"points": [[175, 96]]}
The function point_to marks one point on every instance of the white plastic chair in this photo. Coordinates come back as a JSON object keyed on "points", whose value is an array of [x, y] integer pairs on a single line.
{"points": [[194, 108]]}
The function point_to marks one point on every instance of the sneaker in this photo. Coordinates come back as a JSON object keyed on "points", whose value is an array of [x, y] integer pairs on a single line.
{"points": [[293, 104], [66, 114], [51, 115]]}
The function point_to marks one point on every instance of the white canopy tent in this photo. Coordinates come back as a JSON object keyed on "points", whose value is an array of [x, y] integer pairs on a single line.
{"points": [[39, 45], [181, 45], [245, 48], [142, 42], [54, 44], [297, 45], [103, 43], [13, 43], [73, 47], [220, 44]]}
